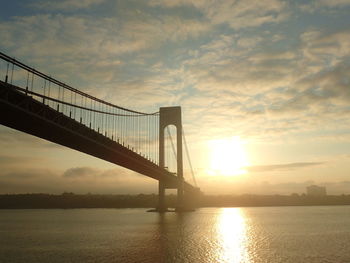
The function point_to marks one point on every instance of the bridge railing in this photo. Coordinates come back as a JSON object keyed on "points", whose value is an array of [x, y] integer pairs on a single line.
{"points": [[135, 130]]}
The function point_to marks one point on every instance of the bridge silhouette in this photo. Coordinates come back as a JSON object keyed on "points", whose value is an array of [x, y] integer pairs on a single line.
{"points": [[37, 104]]}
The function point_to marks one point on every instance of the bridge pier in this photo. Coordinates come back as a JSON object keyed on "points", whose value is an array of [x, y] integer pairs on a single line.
{"points": [[181, 204], [180, 196], [161, 197], [187, 200]]}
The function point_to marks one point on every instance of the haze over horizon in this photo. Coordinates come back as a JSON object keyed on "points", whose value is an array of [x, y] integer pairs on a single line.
{"points": [[264, 88]]}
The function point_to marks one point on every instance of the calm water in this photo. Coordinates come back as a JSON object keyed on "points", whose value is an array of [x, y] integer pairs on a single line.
{"points": [[268, 234]]}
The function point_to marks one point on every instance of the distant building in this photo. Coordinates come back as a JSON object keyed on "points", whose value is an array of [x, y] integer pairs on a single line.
{"points": [[314, 190]]}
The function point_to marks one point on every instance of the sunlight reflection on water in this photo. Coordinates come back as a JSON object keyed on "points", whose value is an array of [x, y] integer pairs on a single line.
{"points": [[232, 236]]}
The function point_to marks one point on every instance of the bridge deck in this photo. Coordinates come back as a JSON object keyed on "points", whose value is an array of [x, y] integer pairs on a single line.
{"points": [[21, 112]]}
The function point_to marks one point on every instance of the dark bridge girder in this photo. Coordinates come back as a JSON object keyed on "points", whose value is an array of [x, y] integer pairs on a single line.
{"points": [[23, 113]]}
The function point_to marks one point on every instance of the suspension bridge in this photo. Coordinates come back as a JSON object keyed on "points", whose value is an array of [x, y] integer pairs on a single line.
{"points": [[37, 104]]}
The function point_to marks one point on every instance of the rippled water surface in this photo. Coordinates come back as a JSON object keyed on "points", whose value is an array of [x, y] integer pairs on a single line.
{"points": [[266, 234]]}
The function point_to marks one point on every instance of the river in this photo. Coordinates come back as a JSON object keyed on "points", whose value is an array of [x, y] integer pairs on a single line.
{"points": [[255, 234]]}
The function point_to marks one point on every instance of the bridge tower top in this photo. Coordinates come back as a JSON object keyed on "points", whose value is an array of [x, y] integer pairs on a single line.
{"points": [[170, 116]]}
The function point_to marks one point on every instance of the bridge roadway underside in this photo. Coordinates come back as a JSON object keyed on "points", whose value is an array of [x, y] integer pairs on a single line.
{"points": [[21, 112]]}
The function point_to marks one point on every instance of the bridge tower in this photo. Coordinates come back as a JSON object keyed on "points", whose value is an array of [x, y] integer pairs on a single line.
{"points": [[171, 116]]}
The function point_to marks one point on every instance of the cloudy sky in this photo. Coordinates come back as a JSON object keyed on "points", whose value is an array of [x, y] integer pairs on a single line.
{"points": [[264, 83]]}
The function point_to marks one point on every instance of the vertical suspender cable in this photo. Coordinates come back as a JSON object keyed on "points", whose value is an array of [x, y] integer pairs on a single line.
{"points": [[48, 91], [13, 67], [27, 82], [7, 73]]}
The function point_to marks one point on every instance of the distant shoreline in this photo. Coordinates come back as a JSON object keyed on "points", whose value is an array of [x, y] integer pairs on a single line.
{"points": [[72, 201]]}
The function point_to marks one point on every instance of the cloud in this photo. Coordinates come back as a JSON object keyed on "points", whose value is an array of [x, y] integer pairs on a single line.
{"points": [[78, 180], [66, 5], [334, 3], [237, 14], [281, 167], [62, 35], [120, 181], [317, 5], [9, 159], [248, 42], [80, 172], [325, 48], [28, 175], [91, 53], [268, 92], [242, 185], [320, 90]]}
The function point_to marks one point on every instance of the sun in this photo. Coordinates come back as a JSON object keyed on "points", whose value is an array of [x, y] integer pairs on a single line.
{"points": [[228, 157]]}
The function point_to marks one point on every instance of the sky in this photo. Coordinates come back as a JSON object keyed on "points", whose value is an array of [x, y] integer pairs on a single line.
{"points": [[264, 88]]}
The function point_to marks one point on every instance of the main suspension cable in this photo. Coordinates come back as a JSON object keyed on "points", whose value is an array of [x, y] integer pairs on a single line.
{"points": [[189, 159]]}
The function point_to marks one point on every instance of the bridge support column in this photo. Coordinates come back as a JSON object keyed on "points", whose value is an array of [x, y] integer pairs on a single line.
{"points": [[171, 116]]}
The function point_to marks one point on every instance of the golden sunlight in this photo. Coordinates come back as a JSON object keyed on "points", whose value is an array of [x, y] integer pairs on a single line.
{"points": [[228, 157], [232, 235]]}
